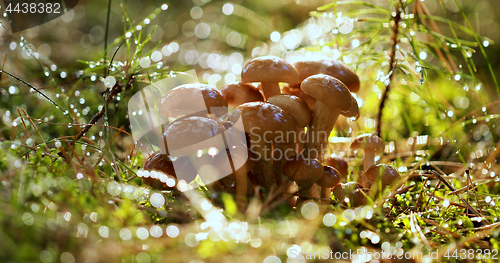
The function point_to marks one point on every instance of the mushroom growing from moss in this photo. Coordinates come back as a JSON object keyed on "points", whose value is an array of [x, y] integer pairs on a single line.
{"points": [[378, 177], [269, 71], [330, 179], [372, 145], [164, 177], [340, 164], [333, 98], [352, 191]]}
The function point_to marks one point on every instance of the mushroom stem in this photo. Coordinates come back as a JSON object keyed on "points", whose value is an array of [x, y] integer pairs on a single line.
{"points": [[313, 192], [325, 195], [206, 169], [323, 121], [300, 139], [263, 168], [282, 152], [241, 189], [368, 160], [270, 89]]}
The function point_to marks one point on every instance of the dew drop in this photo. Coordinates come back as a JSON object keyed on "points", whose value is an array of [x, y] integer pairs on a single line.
{"points": [[109, 82], [145, 62]]}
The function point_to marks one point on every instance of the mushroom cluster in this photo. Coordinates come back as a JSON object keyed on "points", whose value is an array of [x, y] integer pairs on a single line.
{"points": [[286, 131]]}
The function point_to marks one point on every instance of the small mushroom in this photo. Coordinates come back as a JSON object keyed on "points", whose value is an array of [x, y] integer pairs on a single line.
{"points": [[193, 100], [330, 179], [264, 122], [163, 177], [329, 67], [372, 145], [333, 98], [340, 164], [352, 191], [291, 194], [269, 71], [305, 172], [378, 177], [239, 93]]}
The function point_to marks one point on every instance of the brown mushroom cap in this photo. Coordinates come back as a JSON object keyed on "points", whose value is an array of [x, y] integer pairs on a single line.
{"points": [[184, 132], [328, 90], [296, 91], [331, 177], [294, 106], [338, 163], [239, 93], [368, 142], [269, 69], [353, 112], [351, 190], [265, 119], [161, 163], [303, 171], [185, 100], [383, 172], [330, 67]]}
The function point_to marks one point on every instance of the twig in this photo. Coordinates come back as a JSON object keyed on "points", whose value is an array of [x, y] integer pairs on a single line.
{"points": [[36, 129], [3, 65], [390, 72], [477, 213], [117, 88]]}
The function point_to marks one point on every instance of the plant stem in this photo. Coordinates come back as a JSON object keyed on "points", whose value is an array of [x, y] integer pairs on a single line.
{"points": [[106, 38], [394, 42], [117, 88]]}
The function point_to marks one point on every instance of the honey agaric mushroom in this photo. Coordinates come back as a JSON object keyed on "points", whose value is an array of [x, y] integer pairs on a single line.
{"points": [[372, 146], [333, 98], [305, 172], [269, 71], [194, 138], [239, 93], [300, 113], [164, 176], [193, 100], [351, 191], [264, 122], [330, 179], [291, 194], [329, 67], [296, 91], [338, 163], [378, 177]]}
